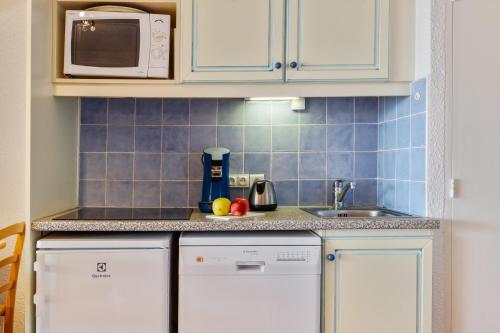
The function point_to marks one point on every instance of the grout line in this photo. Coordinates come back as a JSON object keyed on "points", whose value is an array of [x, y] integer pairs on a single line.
{"points": [[354, 196], [106, 155], [134, 158], [162, 156]]}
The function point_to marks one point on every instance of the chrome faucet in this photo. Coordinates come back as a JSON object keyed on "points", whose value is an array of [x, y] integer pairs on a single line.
{"points": [[339, 192]]}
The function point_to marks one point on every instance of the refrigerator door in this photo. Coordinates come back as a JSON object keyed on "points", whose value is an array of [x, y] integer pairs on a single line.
{"points": [[102, 291]]}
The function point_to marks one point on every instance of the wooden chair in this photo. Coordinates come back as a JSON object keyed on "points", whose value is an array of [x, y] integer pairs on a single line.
{"points": [[14, 260]]}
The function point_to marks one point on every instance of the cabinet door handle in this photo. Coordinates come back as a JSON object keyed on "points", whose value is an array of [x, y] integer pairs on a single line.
{"points": [[293, 64], [277, 65], [330, 257]]}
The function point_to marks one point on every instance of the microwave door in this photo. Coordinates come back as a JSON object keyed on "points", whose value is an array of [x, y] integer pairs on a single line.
{"points": [[108, 47]]}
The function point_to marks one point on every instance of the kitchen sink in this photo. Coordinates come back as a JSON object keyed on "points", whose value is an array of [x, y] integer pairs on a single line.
{"points": [[352, 212]]}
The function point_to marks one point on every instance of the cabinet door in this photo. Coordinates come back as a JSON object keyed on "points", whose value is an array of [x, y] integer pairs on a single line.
{"points": [[232, 40], [338, 39], [378, 285]]}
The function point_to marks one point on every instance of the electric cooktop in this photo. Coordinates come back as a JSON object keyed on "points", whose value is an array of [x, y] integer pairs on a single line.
{"points": [[128, 214]]}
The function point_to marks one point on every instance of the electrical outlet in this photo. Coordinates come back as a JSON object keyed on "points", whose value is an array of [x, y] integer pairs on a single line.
{"points": [[239, 180], [255, 177]]}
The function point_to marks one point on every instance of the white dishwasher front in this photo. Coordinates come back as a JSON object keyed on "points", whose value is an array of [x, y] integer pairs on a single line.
{"points": [[272, 287]]}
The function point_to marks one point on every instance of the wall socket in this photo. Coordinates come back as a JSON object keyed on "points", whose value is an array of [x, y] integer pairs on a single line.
{"points": [[243, 180]]}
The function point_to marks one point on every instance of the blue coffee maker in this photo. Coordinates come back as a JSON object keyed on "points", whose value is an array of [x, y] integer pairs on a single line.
{"points": [[215, 177]]}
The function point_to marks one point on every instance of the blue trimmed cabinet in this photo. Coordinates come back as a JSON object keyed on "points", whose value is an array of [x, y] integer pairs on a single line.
{"points": [[296, 40], [377, 283]]}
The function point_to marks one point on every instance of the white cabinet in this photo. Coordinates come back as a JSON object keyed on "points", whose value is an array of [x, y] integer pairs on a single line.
{"points": [[377, 284], [232, 40], [243, 40], [338, 39]]}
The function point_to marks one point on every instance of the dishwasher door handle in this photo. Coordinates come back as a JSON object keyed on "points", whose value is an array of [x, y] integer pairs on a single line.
{"points": [[247, 266]]}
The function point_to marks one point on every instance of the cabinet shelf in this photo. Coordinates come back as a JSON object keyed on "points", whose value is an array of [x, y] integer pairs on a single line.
{"points": [[59, 8]]}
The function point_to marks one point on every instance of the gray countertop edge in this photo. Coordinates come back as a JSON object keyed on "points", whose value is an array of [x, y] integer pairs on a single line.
{"points": [[282, 219]]}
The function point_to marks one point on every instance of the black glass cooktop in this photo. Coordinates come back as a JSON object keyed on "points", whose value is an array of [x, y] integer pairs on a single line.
{"points": [[128, 214]]}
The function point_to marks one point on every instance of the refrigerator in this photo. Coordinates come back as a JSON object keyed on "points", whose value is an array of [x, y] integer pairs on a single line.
{"points": [[103, 283]]}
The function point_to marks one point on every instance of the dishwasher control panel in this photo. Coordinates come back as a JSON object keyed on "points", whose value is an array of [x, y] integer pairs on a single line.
{"points": [[303, 255]]}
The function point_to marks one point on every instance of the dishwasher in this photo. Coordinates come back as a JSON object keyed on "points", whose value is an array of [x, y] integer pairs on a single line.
{"points": [[247, 282]]}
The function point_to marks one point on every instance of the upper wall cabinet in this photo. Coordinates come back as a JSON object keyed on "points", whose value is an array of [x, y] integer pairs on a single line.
{"points": [[232, 40], [243, 40], [338, 39]]}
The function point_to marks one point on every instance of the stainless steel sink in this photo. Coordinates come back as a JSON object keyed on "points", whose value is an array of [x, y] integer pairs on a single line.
{"points": [[354, 212]]}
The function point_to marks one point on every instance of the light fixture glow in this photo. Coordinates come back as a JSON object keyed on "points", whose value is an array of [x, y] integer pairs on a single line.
{"points": [[298, 103]]}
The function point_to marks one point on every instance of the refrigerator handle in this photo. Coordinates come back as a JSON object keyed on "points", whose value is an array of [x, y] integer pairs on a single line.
{"points": [[39, 297]]}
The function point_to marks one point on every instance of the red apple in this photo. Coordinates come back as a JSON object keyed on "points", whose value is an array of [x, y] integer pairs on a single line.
{"points": [[244, 202], [238, 209]]}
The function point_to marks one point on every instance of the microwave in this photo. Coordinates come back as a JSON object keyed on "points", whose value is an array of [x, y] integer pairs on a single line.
{"points": [[116, 44]]}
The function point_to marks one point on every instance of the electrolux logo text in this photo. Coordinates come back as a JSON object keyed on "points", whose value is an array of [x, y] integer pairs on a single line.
{"points": [[101, 267]]}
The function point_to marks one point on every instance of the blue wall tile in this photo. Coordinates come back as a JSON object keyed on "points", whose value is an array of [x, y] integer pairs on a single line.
{"points": [[312, 138], [121, 111], [195, 167], [402, 201], [418, 130], [366, 137], [258, 139], [176, 111], [230, 137], [148, 139], [340, 138], [119, 194], [91, 193], [203, 111], [147, 194], [390, 108], [166, 137], [287, 192], [403, 164], [418, 164], [285, 138], [194, 193], [315, 111], [175, 194], [175, 139], [120, 166], [389, 164], [94, 111], [231, 111], [365, 165], [282, 114], [403, 132], [175, 167], [312, 192], [404, 108], [258, 113], [258, 163], [202, 137], [312, 166], [340, 166], [121, 138], [366, 110], [365, 192], [92, 166], [93, 138], [147, 166], [417, 198], [284, 166], [340, 110], [149, 111]]}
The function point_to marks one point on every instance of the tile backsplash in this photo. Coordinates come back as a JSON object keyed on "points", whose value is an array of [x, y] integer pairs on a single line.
{"points": [[147, 152], [402, 151]]}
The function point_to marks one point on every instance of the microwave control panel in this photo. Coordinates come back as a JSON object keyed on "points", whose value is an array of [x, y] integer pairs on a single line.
{"points": [[160, 45]]}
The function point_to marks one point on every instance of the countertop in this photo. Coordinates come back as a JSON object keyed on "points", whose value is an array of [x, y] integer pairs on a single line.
{"points": [[281, 219]]}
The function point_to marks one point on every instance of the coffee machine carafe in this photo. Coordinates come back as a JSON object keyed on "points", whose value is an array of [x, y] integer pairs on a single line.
{"points": [[215, 177]]}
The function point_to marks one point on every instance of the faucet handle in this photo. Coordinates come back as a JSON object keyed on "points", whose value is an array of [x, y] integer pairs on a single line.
{"points": [[353, 185], [338, 182]]}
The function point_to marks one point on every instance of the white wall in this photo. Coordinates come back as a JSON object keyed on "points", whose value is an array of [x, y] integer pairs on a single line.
{"points": [[13, 125]]}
